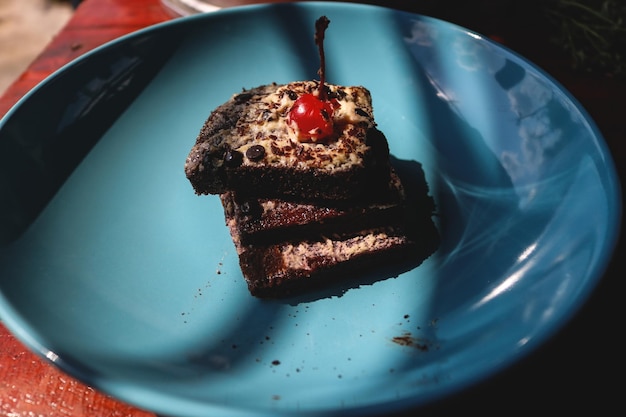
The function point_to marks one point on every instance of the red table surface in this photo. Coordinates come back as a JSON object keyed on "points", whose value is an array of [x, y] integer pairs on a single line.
{"points": [[571, 373]]}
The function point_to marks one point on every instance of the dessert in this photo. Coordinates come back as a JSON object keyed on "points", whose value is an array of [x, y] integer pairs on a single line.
{"points": [[290, 268], [307, 185], [263, 219], [248, 143]]}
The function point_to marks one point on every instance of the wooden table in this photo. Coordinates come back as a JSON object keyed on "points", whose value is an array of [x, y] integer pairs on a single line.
{"points": [[571, 373]]}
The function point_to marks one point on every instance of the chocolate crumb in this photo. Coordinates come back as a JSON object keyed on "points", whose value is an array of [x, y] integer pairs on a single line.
{"points": [[407, 340]]}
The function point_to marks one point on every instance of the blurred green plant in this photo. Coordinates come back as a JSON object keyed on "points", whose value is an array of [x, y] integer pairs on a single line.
{"points": [[592, 33]]}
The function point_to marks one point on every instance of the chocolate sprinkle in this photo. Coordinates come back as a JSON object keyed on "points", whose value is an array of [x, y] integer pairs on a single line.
{"points": [[255, 152], [233, 158]]}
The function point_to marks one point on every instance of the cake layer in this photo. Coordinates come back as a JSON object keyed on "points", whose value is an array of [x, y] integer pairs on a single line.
{"points": [[289, 268], [265, 220], [247, 143], [287, 247]]}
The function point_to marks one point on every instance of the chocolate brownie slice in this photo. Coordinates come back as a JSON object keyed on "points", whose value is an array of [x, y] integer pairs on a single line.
{"points": [[291, 267], [248, 144], [269, 220]]}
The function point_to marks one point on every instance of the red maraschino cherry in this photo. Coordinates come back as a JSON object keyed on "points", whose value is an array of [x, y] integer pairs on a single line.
{"points": [[313, 114]]}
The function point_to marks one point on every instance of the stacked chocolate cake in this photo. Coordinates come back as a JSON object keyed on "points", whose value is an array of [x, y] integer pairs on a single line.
{"points": [[306, 207]]}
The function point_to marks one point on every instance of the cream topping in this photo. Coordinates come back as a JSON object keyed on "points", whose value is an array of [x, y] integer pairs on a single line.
{"points": [[266, 123], [299, 256]]}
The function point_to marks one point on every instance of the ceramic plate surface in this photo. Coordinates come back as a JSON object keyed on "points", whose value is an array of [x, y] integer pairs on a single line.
{"points": [[113, 269]]}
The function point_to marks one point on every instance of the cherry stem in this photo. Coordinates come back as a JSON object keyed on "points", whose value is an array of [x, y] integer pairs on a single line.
{"points": [[320, 27]]}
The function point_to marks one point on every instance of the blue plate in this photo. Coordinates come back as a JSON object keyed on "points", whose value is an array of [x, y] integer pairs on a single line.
{"points": [[113, 269]]}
